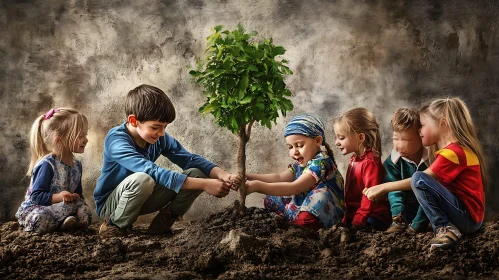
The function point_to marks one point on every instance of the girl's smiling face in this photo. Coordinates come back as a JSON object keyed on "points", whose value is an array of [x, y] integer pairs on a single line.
{"points": [[347, 142], [303, 148]]}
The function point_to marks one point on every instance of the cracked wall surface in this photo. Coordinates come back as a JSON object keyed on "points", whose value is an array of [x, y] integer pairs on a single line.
{"points": [[344, 54]]}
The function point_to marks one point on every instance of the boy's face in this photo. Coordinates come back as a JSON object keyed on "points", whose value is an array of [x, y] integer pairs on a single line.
{"points": [[150, 131], [407, 142], [303, 148]]}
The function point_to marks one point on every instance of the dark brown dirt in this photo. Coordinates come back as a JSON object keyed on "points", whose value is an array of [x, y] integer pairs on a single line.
{"points": [[256, 246]]}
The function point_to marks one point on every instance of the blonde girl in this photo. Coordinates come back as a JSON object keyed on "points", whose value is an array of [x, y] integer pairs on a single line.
{"points": [[54, 199], [451, 190], [357, 133], [310, 192]]}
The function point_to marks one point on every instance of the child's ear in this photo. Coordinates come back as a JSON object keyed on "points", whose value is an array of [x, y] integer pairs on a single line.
{"points": [[318, 140], [132, 119], [443, 122], [362, 137]]}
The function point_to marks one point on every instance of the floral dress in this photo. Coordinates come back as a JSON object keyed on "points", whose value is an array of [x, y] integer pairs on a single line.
{"points": [[51, 176], [324, 200]]}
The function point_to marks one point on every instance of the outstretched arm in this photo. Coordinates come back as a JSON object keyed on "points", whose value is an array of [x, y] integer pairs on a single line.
{"points": [[303, 183], [378, 191], [284, 176]]}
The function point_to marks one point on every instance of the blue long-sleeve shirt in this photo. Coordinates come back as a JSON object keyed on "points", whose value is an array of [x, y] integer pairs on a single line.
{"points": [[51, 176], [123, 157]]}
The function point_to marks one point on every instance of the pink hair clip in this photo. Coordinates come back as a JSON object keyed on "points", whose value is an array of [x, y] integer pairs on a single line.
{"points": [[50, 113]]}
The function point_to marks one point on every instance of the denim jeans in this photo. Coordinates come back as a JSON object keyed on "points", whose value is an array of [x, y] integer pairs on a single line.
{"points": [[440, 205]]}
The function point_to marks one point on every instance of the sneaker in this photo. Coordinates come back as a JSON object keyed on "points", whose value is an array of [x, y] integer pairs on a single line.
{"points": [[108, 230], [446, 237], [398, 224], [69, 224], [162, 223]]}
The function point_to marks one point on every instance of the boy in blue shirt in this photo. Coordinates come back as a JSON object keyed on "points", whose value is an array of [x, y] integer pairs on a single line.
{"points": [[131, 184]]}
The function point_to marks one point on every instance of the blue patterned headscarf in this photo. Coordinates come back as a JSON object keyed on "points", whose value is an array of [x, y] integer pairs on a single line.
{"points": [[307, 125]]}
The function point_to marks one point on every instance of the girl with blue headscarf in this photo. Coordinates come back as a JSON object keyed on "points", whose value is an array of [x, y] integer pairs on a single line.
{"points": [[310, 192]]}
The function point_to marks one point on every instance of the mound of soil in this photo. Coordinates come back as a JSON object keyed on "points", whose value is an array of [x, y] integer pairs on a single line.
{"points": [[256, 245]]}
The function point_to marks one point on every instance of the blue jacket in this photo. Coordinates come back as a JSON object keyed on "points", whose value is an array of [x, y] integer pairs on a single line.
{"points": [[123, 157]]}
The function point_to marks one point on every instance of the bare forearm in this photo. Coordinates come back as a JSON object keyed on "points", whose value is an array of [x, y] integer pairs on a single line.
{"points": [[56, 198], [217, 173], [269, 178], [194, 184], [402, 185], [277, 188]]}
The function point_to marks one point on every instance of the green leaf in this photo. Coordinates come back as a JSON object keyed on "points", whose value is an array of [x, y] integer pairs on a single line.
{"points": [[194, 73], [279, 51], [243, 85], [246, 100], [218, 28], [252, 68]]}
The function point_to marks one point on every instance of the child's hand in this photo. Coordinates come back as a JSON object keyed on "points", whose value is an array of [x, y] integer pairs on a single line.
{"points": [[67, 196], [252, 186], [373, 193], [216, 188], [232, 181]]}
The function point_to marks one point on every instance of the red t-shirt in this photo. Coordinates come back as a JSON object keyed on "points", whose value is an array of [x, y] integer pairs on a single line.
{"points": [[458, 170], [364, 171]]}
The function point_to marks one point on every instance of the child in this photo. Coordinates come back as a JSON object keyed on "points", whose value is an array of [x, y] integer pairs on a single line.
{"points": [[357, 132], [131, 184], [451, 189], [310, 192], [408, 156], [54, 198]]}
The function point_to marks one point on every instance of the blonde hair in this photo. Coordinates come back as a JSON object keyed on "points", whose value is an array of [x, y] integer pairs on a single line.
{"points": [[458, 117], [405, 119], [361, 120], [54, 133]]}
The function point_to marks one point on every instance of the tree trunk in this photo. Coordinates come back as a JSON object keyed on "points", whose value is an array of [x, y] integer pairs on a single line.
{"points": [[241, 166]]}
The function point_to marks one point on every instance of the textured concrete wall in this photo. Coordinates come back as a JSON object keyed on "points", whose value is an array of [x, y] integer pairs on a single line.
{"points": [[88, 54]]}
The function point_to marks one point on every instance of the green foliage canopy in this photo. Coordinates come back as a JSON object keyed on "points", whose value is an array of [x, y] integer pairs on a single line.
{"points": [[243, 80]]}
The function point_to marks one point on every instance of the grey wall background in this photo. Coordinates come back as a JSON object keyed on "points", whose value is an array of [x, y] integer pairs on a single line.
{"points": [[380, 55]]}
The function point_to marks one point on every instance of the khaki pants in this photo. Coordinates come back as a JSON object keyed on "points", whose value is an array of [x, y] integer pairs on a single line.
{"points": [[138, 195]]}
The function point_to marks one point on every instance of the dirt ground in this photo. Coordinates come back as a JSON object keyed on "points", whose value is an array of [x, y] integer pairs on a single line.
{"points": [[256, 246]]}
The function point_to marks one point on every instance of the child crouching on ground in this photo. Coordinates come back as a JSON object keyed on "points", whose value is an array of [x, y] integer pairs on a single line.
{"points": [[310, 192]]}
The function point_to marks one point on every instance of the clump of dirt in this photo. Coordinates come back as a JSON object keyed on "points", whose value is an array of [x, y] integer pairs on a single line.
{"points": [[258, 244]]}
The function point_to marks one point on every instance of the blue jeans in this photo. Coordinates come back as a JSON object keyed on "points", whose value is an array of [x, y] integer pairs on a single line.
{"points": [[441, 206]]}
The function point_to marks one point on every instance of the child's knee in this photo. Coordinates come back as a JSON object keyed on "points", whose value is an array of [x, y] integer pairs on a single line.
{"points": [[141, 183], [417, 178], [41, 222]]}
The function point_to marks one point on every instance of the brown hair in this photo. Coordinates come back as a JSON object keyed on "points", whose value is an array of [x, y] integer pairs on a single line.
{"points": [[149, 103], [405, 119], [361, 120], [458, 117], [55, 133]]}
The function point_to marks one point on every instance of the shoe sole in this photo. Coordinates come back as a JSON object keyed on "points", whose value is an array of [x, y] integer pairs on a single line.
{"points": [[442, 246]]}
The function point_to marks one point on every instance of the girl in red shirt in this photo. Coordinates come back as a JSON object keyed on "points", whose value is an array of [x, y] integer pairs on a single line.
{"points": [[451, 190], [357, 132]]}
